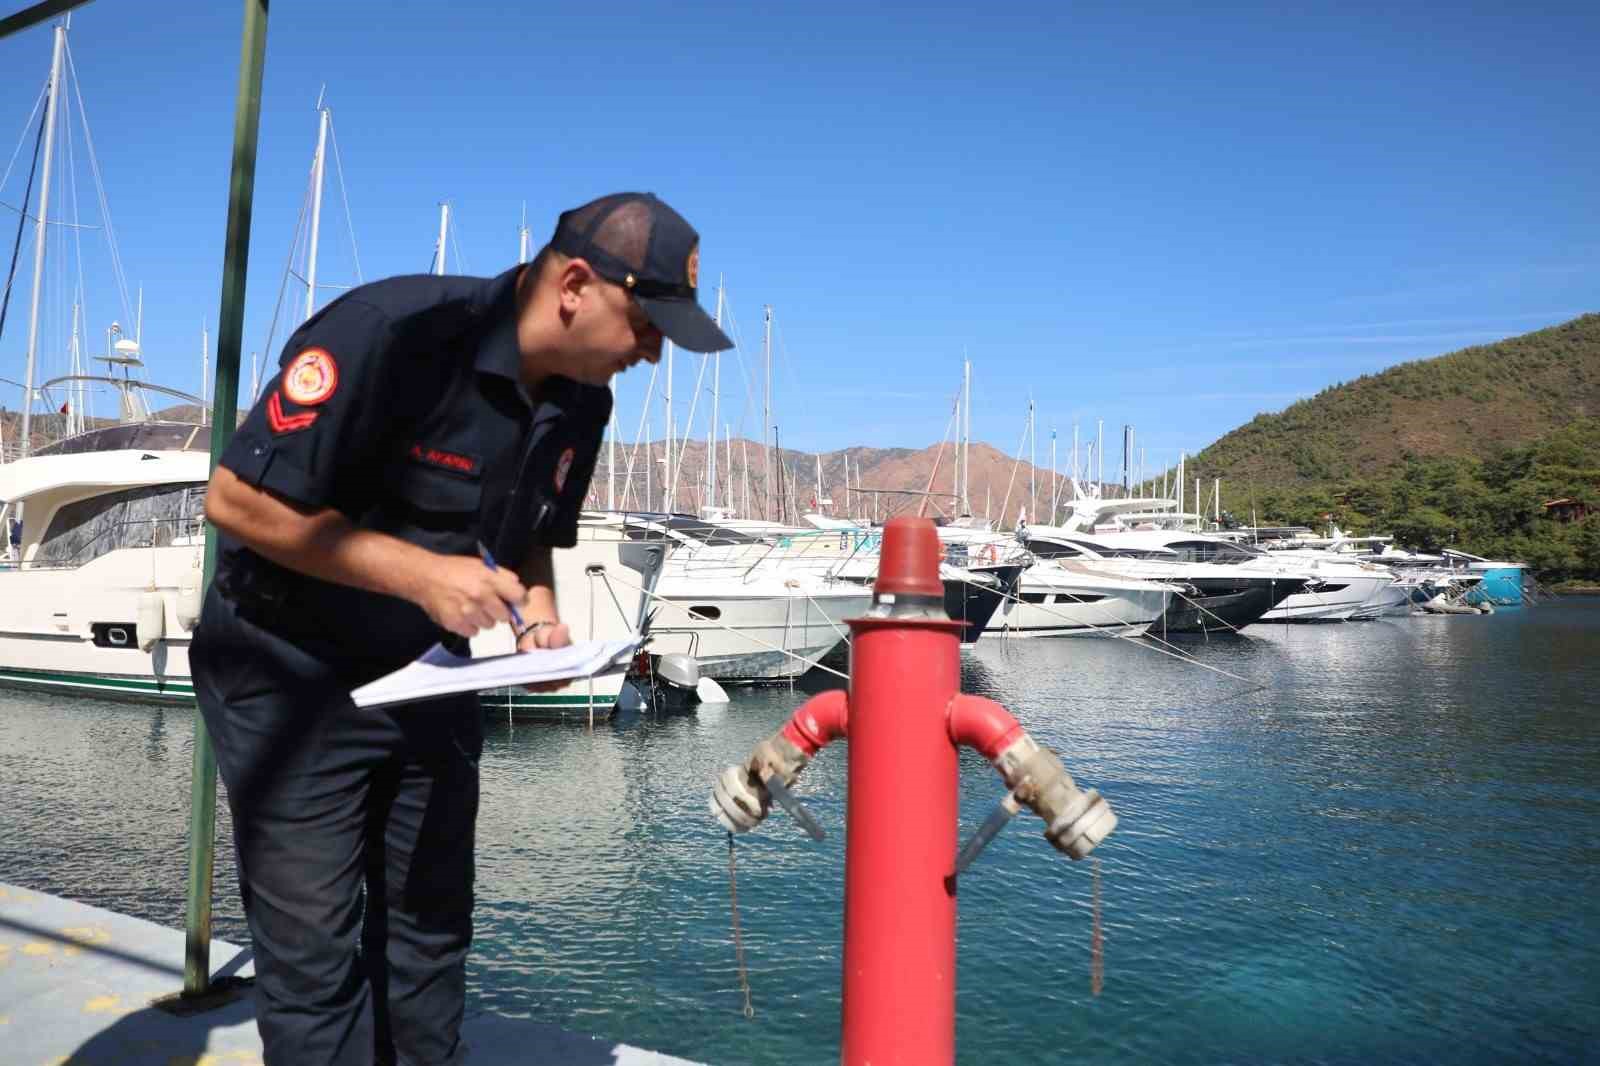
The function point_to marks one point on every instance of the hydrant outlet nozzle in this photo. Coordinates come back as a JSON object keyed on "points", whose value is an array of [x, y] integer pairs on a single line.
{"points": [[1075, 820], [741, 797]]}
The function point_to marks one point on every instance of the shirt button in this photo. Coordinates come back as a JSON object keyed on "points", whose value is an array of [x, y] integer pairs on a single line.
{"points": [[259, 449]]}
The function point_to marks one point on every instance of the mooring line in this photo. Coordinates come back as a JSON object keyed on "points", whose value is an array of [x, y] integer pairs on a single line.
{"points": [[738, 940], [1135, 640]]}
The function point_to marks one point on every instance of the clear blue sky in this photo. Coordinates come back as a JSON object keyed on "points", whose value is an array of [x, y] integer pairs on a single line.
{"points": [[1174, 217]]}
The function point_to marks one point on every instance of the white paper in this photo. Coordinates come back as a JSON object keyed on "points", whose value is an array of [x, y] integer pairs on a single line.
{"points": [[442, 673]]}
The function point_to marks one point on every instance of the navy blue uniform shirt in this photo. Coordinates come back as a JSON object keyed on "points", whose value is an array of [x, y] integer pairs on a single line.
{"points": [[400, 405]]}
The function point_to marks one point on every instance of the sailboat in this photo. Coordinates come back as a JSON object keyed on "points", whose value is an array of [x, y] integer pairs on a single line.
{"points": [[105, 528]]}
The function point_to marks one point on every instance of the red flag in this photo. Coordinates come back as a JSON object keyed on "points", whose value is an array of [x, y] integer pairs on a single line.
{"points": [[64, 407]]}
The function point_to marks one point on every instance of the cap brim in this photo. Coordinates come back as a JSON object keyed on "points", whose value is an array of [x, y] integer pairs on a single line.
{"points": [[685, 323]]}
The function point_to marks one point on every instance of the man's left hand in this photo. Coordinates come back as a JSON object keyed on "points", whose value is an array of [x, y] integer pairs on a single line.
{"points": [[557, 635]]}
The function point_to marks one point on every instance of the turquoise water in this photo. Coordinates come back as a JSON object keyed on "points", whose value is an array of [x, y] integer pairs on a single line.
{"points": [[1381, 845]]}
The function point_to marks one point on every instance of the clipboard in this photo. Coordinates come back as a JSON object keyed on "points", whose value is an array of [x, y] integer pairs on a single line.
{"points": [[438, 672]]}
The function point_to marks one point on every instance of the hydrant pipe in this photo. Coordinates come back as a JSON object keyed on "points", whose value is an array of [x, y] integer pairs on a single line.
{"points": [[900, 905], [982, 724], [815, 722]]}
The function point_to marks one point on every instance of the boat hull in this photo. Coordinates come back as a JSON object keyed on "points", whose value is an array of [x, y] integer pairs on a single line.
{"points": [[1047, 609], [1501, 585], [1333, 598], [974, 603], [1223, 605], [754, 638]]}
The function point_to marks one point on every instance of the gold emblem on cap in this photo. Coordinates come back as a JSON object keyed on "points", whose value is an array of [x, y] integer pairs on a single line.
{"points": [[692, 267], [629, 281]]}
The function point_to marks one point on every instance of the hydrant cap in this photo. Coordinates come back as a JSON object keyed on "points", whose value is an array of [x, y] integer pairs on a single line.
{"points": [[908, 564]]}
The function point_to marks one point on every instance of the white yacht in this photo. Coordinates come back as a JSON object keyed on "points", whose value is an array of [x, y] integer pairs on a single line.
{"points": [[1338, 587], [1208, 597], [747, 608], [103, 591], [1057, 599]]}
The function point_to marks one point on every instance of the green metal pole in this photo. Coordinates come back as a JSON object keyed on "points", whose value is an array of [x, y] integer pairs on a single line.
{"points": [[230, 331], [30, 16]]}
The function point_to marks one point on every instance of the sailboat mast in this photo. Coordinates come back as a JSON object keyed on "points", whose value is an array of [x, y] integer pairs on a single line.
{"points": [[1100, 455], [766, 405], [1178, 488], [711, 427], [611, 455], [205, 371], [1033, 466], [318, 163], [1055, 485], [522, 235], [1076, 471], [444, 230], [669, 484], [966, 435], [25, 444]]}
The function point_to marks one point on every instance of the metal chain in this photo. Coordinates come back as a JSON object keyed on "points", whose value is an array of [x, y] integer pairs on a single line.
{"points": [[1097, 959], [738, 941]]}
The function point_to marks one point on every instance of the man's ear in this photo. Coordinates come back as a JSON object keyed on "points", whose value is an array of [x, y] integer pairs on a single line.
{"points": [[573, 279]]}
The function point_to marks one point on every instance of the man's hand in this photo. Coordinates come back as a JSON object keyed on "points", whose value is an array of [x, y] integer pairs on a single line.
{"points": [[464, 596], [546, 635]]}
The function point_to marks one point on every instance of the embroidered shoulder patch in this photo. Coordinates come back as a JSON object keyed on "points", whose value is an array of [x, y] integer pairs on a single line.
{"points": [[311, 377], [286, 423], [563, 468]]}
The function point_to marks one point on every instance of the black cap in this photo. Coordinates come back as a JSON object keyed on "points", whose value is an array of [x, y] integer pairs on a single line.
{"points": [[638, 242]]}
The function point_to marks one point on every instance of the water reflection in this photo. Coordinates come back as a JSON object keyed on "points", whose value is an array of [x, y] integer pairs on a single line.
{"points": [[1338, 854]]}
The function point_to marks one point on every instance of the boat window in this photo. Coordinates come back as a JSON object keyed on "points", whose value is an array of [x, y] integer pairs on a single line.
{"points": [[143, 517], [1053, 549], [131, 436], [1114, 552], [1210, 551], [684, 526], [705, 613], [707, 533]]}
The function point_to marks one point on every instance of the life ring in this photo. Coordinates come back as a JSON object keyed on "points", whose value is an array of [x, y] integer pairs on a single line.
{"points": [[989, 554]]}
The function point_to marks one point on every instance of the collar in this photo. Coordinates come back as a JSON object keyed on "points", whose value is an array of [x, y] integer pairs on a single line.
{"points": [[496, 302]]}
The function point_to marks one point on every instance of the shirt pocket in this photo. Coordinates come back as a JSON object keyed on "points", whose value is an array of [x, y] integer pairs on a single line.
{"points": [[438, 498]]}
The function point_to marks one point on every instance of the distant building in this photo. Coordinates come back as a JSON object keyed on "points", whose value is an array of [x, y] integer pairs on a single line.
{"points": [[1566, 510]]}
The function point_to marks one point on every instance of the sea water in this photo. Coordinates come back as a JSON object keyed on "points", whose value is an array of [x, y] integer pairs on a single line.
{"points": [[1370, 842]]}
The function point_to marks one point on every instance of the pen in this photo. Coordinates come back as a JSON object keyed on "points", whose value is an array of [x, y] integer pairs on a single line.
{"points": [[488, 560]]}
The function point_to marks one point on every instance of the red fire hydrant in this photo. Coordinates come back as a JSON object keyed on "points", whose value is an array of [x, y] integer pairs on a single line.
{"points": [[905, 717]]}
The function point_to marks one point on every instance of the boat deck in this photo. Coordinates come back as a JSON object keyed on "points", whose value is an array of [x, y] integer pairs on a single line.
{"points": [[78, 984]]}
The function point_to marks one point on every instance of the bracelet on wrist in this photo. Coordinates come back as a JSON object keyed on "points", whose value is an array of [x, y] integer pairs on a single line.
{"points": [[534, 627]]}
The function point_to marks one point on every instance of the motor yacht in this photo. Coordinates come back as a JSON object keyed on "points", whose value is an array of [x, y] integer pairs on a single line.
{"points": [[1207, 598]]}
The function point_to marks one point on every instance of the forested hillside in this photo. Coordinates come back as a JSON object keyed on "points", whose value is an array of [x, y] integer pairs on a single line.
{"points": [[1460, 450]]}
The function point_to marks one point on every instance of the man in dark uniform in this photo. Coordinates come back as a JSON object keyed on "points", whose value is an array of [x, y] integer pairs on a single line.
{"points": [[412, 419]]}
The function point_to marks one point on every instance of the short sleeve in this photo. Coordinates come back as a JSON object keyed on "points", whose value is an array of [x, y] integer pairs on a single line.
{"points": [[324, 413], [575, 466]]}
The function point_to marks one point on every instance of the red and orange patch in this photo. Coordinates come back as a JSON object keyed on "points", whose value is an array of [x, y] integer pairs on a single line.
{"points": [[563, 468], [311, 378]]}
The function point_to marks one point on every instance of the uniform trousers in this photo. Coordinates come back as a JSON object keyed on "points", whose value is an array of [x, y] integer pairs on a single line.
{"points": [[353, 829]]}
